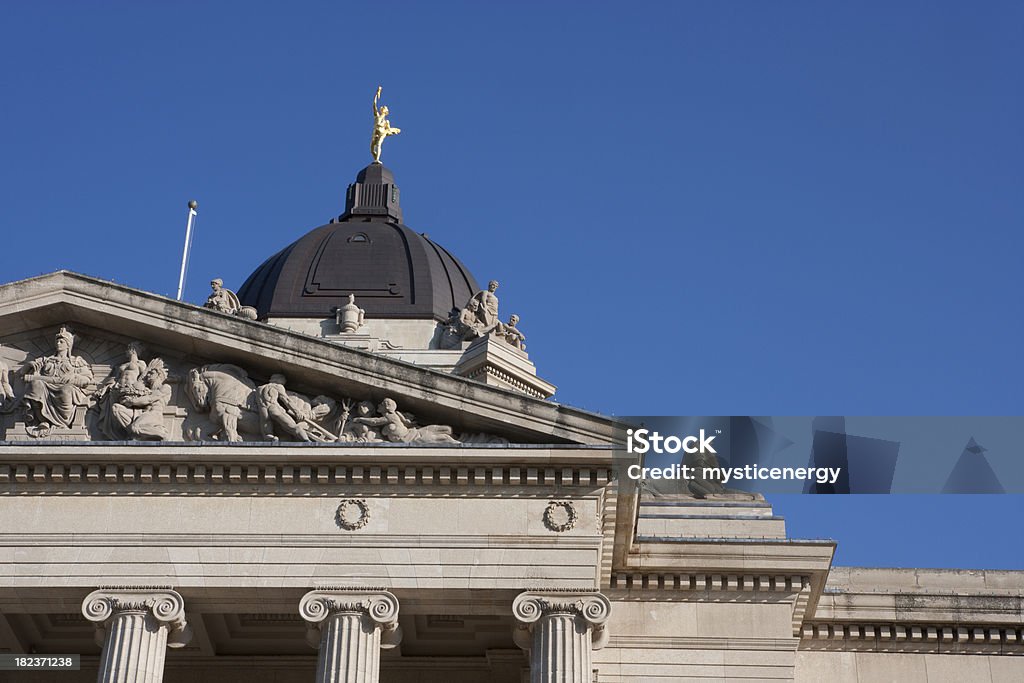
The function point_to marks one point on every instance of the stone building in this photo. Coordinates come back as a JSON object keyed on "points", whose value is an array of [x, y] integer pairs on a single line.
{"points": [[351, 471]]}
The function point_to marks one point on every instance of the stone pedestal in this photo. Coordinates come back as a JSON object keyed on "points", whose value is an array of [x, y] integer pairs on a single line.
{"points": [[135, 628], [494, 361], [350, 628], [560, 630]]}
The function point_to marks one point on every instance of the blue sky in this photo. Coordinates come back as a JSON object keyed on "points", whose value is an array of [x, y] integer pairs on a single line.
{"points": [[697, 208]]}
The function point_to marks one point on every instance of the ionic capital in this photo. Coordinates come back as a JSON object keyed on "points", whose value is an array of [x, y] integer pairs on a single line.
{"points": [[380, 607], [591, 607], [165, 606]]}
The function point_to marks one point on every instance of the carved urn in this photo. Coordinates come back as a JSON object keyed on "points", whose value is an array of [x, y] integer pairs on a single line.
{"points": [[350, 316]]}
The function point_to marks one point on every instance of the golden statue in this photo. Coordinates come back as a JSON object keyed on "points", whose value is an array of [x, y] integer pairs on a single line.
{"points": [[381, 127]]}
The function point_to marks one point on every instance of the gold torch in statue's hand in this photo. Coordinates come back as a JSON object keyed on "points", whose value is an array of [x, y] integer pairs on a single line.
{"points": [[381, 127]]}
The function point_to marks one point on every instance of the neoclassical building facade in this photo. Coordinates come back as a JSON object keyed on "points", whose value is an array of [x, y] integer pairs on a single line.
{"points": [[352, 471]]}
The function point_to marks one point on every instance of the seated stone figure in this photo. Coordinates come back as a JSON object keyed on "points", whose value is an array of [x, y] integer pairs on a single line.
{"points": [[141, 413], [221, 299], [224, 300], [512, 334], [53, 387], [124, 380], [469, 324]]}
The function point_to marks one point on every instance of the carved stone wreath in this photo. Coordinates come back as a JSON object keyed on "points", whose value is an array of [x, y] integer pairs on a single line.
{"points": [[352, 514], [560, 516]]}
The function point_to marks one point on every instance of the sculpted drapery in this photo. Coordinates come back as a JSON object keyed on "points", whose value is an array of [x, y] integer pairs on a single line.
{"points": [[54, 386]]}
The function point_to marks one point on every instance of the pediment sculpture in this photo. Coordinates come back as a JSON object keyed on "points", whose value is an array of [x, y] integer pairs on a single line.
{"points": [[123, 392]]}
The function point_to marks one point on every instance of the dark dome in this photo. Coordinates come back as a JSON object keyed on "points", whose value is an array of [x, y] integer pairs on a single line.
{"points": [[393, 271]]}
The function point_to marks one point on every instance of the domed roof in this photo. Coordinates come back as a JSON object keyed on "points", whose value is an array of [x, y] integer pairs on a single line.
{"points": [[393, 271]]}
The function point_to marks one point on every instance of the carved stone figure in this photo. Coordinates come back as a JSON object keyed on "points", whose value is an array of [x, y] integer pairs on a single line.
{"points": [[224, 300], [382, 128], [130, 402], [140, 415], [512, 334], [235, 406], [221, 299], [402, 429], [53, 387], [7, 401], [276, 409], [350, 317], [487, 312], [478, 318], [228, 395], [126, 378], [469, 320], [356, 429]]}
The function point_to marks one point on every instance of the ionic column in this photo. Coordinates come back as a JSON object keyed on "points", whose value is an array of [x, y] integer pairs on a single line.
{"points": [[135, 627], [560, 630], [350, 628]]}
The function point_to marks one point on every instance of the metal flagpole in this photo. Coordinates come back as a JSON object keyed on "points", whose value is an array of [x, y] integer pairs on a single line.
{"points": [[192, 206]]}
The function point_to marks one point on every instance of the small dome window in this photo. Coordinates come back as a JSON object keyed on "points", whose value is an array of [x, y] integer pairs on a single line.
{"points": [[359, 237]]}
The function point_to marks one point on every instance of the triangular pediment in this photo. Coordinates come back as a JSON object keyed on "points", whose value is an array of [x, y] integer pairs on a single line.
{"points": [[232, 358]]}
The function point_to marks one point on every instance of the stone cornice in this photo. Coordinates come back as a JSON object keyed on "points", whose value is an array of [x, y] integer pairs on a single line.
{"points": [[694, 569], [732, 557], [887, 579]]}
